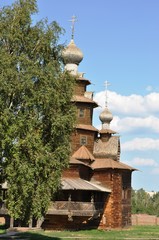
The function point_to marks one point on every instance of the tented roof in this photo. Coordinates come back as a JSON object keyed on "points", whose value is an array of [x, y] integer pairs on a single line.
{"points": [[83, 154]]}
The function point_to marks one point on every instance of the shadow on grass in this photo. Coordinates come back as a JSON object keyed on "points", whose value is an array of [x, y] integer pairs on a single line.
{"points": [[2, 227], [28, 236], [35, 236]]}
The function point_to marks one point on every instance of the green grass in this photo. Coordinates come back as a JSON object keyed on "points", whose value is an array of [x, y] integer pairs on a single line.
{"points": [[2, 229], [134, 233]]}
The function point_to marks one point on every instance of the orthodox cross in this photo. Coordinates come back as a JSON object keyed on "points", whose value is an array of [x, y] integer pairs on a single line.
{"points": [[106, 84], [73, 20]]}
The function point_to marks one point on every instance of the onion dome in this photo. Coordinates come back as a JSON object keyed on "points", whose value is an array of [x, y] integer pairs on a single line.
{"points": [[106, 117], [72, 54]]}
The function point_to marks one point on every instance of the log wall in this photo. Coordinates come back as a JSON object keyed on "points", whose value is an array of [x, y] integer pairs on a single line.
{"points": [[90, 135]]}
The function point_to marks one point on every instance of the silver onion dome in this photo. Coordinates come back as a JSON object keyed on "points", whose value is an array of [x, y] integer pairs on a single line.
{"points": [[72, 54], [106, 117]]}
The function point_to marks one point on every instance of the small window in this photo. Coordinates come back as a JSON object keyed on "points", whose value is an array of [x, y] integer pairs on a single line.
{"points": [[81, 112], [124, 194], [83, 140]]}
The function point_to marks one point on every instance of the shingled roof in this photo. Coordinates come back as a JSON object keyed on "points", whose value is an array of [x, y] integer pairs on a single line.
{"points": [[84, 99], [108, 130], [86, 127], [75, 161], [81, 184], [109, 149], [105, 163], [83, 154], [83, 79]]}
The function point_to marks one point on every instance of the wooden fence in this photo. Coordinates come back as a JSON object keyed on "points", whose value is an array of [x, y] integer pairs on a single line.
{"points": [[145, 219]]}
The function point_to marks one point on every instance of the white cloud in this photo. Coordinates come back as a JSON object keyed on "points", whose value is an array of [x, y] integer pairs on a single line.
{"points": [[129, 124], [141, 144], [129, 105], [151, 102], [144, 162], [131, 112]]}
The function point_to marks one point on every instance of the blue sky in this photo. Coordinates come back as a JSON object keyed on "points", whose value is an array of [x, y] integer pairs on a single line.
{"points": [[120, 42]]}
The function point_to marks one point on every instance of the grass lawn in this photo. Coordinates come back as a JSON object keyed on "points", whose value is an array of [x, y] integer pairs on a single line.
{"points": [[2, 229], [136, 232]]}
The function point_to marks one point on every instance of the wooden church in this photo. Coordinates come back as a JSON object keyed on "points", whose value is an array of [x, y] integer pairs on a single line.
{"points": [[96, 188]]}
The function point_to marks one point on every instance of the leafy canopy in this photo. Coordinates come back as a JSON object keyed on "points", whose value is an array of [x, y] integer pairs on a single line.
{"points": [[36, 114], [143, 202]]}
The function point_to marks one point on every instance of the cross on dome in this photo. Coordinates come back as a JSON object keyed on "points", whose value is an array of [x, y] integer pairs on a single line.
{"points": [[106, 116], [72, 55], [106, 84], [73, 20]]}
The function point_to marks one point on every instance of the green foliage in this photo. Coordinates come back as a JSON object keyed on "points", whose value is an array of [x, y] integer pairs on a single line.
{"points": [[36, 114], [142, 202]]}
